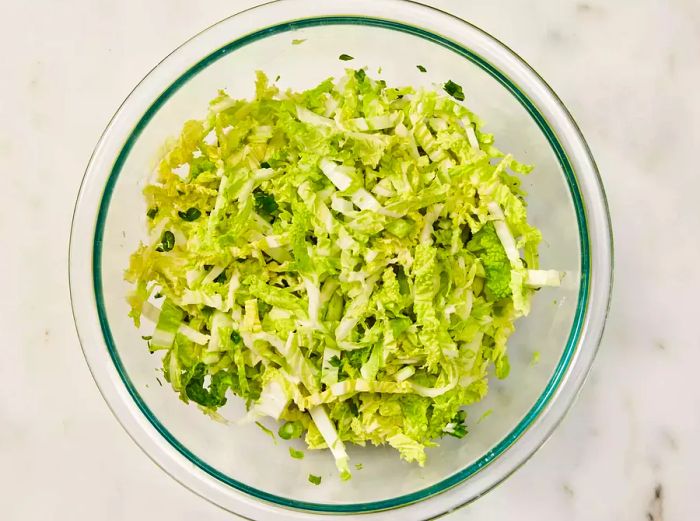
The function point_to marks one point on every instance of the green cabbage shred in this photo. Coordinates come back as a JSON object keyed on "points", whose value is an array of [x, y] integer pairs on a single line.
{"points": [[349, 260]]}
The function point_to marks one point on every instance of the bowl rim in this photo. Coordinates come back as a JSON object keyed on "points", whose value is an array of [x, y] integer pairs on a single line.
{"points": [[500, 447], [583, 313]]}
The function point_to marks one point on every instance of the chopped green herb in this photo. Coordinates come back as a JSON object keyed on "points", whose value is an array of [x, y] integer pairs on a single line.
{"points": [[152, 212], [267, 431], [458, 428], [278, 78], [360, 75], [296, 454], [167, 241], [454, 90], [265, 204], [345, 57], [421, 68], [358, 466], [159, 382], [192, 214], [235, 337], [264, 164], [298, 41], [212, 396], [290, 430], [147, 337], [334, 361], [379, 70], [316, 480]]}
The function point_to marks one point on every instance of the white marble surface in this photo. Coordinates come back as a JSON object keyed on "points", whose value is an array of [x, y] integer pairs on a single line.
{"points": [[629, 71]]}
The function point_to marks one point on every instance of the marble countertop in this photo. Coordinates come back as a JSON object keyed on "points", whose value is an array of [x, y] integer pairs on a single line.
{"points": [[628, 70]]}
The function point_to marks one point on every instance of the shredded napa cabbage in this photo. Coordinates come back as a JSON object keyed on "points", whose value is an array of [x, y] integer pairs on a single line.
{"points": [[351, 258]]}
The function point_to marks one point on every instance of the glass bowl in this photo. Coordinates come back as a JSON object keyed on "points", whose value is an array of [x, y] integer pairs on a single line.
{"points": [[237, 466]]}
